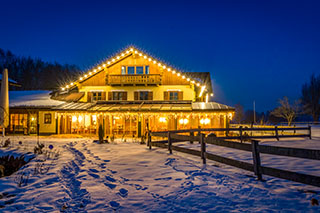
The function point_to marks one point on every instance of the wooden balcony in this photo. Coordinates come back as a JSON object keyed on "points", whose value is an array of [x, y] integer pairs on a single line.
{"points": [[150, 79]]}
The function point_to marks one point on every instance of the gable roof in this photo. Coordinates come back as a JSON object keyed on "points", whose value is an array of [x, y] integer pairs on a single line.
{"points": [[133, 50]]}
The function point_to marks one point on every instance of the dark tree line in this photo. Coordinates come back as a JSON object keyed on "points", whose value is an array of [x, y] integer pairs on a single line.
{"points": [[35, 74]]}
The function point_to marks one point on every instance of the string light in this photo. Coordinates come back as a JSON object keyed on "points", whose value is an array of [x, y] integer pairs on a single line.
{"points": [[144, 56]]}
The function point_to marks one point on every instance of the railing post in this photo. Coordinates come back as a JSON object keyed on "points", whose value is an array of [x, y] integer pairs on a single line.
{"points": [[309, 127], [240, 132], [256, 159], [169, 143], [149, 140], [203, 148], [276, 131]]}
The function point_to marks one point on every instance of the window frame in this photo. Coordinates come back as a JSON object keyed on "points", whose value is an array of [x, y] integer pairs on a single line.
{"points": [[47, 118]]}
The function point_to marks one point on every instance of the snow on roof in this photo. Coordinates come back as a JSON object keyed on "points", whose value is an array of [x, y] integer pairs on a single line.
{"points": [[9, 79], [32, 98]]}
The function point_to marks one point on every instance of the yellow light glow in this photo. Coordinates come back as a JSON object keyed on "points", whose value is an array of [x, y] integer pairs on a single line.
{"points": [[90, 73], [71, 84], [131, 49], [211, 94], [122, 54], [192, 82], [74, 118], [118, 57], [80, 118], [154, 61], [164, 67], [144, 56], [178, 74], [169, 69], [188, 79], [62, 89], [230, 115], [32, 119], [113, 60], [94, 118], [108, 62], [173, 71], [85, 76], [149, 59], [198, 84], [136, 51], [207, 98], [80, 78], [159, 64], [99, 68], [205, 121], [67, 86], [127, 52], [162, 119], [183, 77], [140, 54], [184, 121]]}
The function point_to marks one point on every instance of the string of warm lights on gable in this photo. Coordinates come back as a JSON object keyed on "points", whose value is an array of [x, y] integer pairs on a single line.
{"points": [[126, 53]]}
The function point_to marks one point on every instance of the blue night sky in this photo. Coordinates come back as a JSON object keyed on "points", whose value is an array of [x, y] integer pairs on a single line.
{"points": [[255, 50]]}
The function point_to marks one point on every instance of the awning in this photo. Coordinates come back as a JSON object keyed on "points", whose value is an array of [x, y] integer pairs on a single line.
{"points": [[141, 106]]}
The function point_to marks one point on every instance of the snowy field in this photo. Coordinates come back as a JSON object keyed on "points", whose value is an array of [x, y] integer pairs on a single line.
{"points": [[128, 177]]}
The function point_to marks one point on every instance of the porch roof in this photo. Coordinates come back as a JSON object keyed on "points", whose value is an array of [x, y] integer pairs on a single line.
{"points": [[143, 106]]}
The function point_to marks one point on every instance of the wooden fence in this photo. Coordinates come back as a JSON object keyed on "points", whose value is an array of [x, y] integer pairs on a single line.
{"points": [[254, 147]]}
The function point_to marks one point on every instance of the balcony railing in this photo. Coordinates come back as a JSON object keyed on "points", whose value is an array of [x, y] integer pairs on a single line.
{"points": [[134, 79]]}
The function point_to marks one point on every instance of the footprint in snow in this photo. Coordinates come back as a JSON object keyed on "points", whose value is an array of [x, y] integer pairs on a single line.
{"points": [[110, 185], [111, 179], [94, 170], [94, 175], [123, 192], [114, 204], [166, 178]]}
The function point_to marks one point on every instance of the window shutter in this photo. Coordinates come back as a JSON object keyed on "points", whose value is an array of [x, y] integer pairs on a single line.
{"points": [[89, 96], [136, 96], [124, 95], [180, 96], [165, 96], [150, 96], [110, 96], [103, 96]]}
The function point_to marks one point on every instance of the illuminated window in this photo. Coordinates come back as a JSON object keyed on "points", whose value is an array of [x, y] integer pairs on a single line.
{"points": [[118, 96], [173, 96], [97, 96], [123, 70], [147, 70], [139, 70], [47, 118], [130, 70]]}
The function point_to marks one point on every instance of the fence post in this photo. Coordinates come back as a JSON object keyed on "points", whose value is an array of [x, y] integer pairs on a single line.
{"points": [[203, 148], [191, 134], [309, 127], [149, 140], [169, 143], [256, 159], [199, 132], [277, 134], [240, 132]]}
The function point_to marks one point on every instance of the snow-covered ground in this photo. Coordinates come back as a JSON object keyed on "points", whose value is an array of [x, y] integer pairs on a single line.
{"points": [[128, 177]]}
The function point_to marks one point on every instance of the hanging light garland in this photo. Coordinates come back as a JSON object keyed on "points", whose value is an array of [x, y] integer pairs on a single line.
{"points": [[124, 54]]}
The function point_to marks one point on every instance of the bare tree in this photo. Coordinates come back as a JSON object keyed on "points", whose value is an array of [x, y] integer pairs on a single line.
{"points": [[286, 110], [239, 113], [311, 97]]}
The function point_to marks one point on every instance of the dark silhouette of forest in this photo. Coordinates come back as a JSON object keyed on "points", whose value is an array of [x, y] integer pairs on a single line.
{"points": [[35, 74]]}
